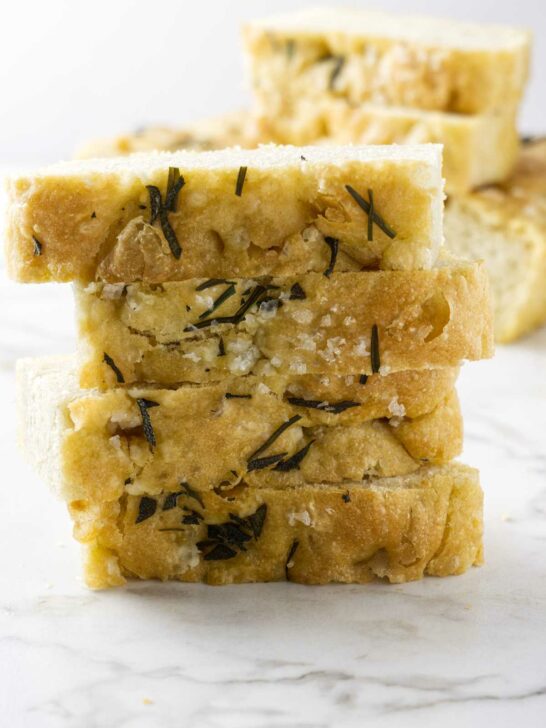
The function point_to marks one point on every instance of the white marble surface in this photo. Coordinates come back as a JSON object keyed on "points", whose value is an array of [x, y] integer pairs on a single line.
{"points": [[463, 651]]}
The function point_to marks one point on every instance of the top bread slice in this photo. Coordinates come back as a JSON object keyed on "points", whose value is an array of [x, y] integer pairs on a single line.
{"points": [[505, 226], [395, 60], [159, 217]]}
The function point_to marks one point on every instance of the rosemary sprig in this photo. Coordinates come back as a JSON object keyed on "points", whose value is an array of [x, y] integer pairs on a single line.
{"points": [[240, 181], [274, 436], [333, 244], [111, 363], [146, 508], [376, 218], [293, 462], [37, 246], [334, 408], [374, 350], [144, 405]]}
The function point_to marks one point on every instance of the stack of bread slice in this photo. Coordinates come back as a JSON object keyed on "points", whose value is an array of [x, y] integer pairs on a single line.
{"points": [[265, 383], [342, 76]]}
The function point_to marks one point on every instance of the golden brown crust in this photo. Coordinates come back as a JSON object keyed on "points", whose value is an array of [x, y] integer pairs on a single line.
{"points": [[91, 220], [396, 529], [424, 319]]}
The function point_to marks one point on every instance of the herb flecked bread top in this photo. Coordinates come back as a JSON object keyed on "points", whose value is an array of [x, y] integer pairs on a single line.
{"points": [[171, 216], [428, 63]]}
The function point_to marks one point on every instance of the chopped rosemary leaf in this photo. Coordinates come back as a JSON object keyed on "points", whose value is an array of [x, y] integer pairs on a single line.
{"points": [[37, 245], [256, 520], [213, 282], [228, 293], [339, 62], [225, 540], [303, 159], [374, 350], [177, 528], [171, 501], [274, 436], [240, 181], [335, 408], [346, 498], [289, 563], [192, 518], [155, 202], [365, 205], [370, 215], [168, 232], [333, 244], [144, 405], [265, 462], [290, 48], [293, 462], [221, 552], [362, 379], [191, 493], [108, 360], [93, 215], [221, 347], [175, 182], [229, 395], [146, 508], [257, 293], [297, 293]]}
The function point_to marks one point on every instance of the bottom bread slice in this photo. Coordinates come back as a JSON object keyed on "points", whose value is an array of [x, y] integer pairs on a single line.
{"points": [[398, 529]]}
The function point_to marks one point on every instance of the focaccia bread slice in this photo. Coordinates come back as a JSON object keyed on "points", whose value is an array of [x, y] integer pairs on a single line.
{"points": [[397, 529], [234, 129], [392, 60], [159, 216], [344, 324], [478, 149], [505, 226], [102, 446]]}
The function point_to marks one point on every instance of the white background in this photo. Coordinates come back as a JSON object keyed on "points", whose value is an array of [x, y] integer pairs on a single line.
{"points": [[70, 70]]}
